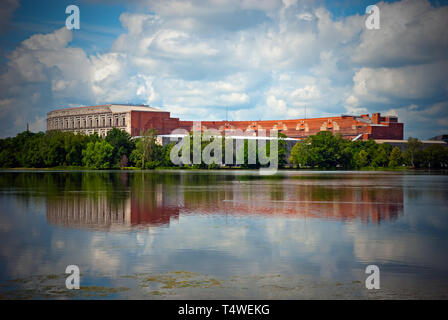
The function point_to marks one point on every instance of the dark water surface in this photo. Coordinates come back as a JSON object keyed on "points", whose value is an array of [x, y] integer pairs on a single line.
{"points": [[223, 234]]}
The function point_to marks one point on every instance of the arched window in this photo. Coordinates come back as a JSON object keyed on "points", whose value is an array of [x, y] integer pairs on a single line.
{"points": [[110, 122], [116, 122]]}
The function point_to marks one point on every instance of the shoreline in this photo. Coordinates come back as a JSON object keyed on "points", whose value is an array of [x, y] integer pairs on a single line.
{"points": [[162, 169]]}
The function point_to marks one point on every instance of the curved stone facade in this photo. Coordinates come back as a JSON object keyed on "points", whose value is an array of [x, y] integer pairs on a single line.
{"points": [[94, 119]]}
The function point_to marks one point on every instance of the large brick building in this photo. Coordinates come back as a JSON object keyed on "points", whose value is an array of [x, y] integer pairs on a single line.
{"points": [[134, 119]]}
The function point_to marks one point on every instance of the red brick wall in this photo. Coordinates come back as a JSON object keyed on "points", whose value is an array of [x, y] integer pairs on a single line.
{"points": [[348, 126], [393, 131], [161, 121]]}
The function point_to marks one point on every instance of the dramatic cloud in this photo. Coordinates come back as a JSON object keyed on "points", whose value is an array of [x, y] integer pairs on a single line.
{"points": [[254, 59], [412, 32], [405, 63]]}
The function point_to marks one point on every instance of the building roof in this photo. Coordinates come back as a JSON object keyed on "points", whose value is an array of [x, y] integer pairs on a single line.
{"points": [[115, 108], [123, 108]]}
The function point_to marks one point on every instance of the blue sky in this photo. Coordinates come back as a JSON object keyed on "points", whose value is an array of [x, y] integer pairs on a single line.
{"points": [[258, 59]]}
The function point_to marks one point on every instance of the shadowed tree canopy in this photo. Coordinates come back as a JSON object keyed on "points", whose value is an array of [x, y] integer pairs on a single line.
{"points": [[122, 145]]}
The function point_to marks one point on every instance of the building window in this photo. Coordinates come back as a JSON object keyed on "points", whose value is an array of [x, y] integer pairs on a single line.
{"points": [[116, 122], [104, 122], [110, 122], [124, 122]]}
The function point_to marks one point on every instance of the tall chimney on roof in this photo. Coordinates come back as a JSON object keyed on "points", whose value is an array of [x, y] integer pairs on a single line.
{"points": [[376, 118]]}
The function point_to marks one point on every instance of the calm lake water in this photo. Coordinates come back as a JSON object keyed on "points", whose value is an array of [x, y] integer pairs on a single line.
{"points": [[223, 234]]}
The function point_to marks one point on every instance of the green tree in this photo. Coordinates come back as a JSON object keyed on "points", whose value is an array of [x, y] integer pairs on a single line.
{"points": [[302, 154], [323, 150], [395, 158], [98, 155], [434, 156], [147, 153], [165, 157], [346, 158], [413, 147], [73, 145], [362, 159], [122, 143], [8, 153], [53, 149], [282, 150], [381, 156], [20, 153]]}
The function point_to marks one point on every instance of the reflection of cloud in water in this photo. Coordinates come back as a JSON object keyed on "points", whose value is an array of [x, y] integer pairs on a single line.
{"points": [[104, 260], [222, 227]]}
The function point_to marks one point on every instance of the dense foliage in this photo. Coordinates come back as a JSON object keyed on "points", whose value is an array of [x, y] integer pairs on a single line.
{"points": [[118, 150], [325, 150], [67, 149]]}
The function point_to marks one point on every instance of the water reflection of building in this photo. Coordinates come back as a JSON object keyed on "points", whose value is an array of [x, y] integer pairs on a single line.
{"points": [[153, 212], [160, 204], [104, 213], [367, 204], [88, 211]]}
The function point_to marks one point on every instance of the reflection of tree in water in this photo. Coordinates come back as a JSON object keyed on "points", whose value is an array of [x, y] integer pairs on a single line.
{"points": [[277, 192], [57, 183], [109, 200]]}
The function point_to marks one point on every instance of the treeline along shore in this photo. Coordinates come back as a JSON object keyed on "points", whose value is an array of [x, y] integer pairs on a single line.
{"points": [[57, 149]]}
